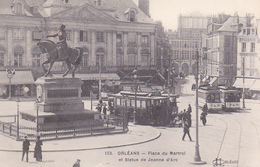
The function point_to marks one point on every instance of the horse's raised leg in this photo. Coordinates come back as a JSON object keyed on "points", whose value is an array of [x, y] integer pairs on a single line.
{"points": [[75, 68], [48, 72], [46, 62], [69, 68]]}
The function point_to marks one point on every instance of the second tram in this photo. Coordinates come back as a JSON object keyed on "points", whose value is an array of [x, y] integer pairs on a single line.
{"points": [[230, 99]]}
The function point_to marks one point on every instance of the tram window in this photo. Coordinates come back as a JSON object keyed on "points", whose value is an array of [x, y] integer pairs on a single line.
{"points": [[132, 103], [217, 98], [138, 103], [148, 103], [143, 104], [129, 103]]}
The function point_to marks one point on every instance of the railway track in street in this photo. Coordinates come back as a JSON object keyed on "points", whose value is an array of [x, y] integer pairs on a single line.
{"points": [[240, 144]]}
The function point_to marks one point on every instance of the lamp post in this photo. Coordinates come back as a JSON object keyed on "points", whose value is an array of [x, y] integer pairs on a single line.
{"points": [[197, 159], [17, 117], [10, 73], [37, 115], [125, 119]]}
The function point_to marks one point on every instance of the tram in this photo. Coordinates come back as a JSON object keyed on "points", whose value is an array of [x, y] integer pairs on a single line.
{"points": [[230, 98], [151, 109], [211, 97]]}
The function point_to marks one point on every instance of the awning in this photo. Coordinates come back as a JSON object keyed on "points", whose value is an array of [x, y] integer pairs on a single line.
{"points": [[248, 82], [95, 76], [20, 77], [256, 85]]}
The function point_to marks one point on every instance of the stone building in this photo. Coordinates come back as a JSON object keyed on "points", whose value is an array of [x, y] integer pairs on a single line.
{"points": [[248, 59], [188, 40], [222, 49], [116, 31]]}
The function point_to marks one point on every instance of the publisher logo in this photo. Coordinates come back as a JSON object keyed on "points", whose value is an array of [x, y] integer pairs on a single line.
{"points": [[218, 162]]}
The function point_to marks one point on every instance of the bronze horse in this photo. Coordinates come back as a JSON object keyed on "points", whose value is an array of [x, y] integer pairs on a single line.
{"points": [[49, 48]]}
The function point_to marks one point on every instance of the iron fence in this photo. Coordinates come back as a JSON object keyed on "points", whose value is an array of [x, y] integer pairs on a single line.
{"points": [[110, 125]]}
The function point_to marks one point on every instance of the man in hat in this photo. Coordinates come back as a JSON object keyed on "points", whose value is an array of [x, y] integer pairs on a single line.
{"points": [[186, 131], [62, 49], [77, 163], [26, 144]]}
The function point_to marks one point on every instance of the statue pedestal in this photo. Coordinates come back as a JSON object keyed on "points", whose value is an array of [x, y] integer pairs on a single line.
{"points": [[60, 105]]}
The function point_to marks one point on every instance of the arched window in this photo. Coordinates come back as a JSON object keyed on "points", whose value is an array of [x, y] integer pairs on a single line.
{"points": [[18, 56], [100, 55], [2, 55], [145, 57], [131, 56], [119, 57], [132, 16], [36, 56], [85, 57], [19, 8]]}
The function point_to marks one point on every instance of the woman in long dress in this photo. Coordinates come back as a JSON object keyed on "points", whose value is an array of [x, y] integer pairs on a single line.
{"points": [[38, 149]]}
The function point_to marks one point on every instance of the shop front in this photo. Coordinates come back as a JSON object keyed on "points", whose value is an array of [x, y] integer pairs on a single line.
{"points": [[22, 84], [109, 82]]}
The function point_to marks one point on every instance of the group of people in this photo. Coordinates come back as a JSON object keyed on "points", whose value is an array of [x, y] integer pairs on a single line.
{"points": [[102, 109], [37, 148]]}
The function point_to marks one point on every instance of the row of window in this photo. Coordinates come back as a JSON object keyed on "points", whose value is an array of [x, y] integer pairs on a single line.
{"points": [[244, 44], [186, 44], [250, 31], [100, 57], [19, 34], [184, 54]]}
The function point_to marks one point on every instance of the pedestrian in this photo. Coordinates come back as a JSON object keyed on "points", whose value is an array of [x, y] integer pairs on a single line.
{"points": [[26, 144], [38, 149], [203, 117], [186, 131], [189, 109], [105, 112], [188, 119], [77, 163]]}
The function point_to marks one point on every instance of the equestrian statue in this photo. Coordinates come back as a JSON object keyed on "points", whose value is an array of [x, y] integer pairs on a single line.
{"points": [[60, 52]]}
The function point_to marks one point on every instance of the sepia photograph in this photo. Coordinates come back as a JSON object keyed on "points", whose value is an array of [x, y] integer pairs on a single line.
{"points": [[129, 83]]}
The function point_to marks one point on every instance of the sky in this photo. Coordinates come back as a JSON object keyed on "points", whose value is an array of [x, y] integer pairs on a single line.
{"points": [[168, 11]]}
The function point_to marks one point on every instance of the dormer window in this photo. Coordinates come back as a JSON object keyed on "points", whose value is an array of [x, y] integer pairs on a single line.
{"points": [[17, 7], [130, 14]]}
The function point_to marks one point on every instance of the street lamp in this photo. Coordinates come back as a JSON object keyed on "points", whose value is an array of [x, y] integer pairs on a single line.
{"points": [[17, 117], [10, 73], [37, 115], [197, 159]]}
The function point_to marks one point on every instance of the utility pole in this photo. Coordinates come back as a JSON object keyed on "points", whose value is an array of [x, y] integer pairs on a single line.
{"points": [[99, 82], [243, 66]]}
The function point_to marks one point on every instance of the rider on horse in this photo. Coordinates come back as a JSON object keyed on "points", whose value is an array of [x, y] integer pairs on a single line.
{"points": [[62, 44]]}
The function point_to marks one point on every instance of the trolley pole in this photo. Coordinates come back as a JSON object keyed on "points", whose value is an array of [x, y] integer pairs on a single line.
{"points": [[243, 94], [197, 159], [17, 117]]}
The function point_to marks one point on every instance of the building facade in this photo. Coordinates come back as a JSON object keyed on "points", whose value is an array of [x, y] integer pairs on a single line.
{"points": [[187, 41], [222, 49], [117, 32]]}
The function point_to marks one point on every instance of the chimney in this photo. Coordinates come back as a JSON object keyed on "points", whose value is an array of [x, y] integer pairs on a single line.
{"points": [[145, 6]]}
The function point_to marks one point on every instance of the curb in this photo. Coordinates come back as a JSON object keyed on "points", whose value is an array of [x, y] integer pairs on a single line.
{"points": [[97, 148]]}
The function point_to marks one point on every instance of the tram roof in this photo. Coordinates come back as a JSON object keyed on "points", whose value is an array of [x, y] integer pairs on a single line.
{"points": [[141, 97], [151, 94]]}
